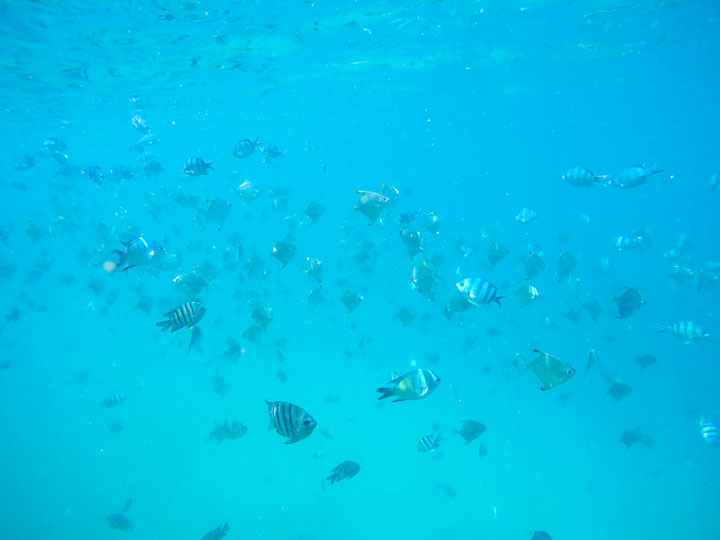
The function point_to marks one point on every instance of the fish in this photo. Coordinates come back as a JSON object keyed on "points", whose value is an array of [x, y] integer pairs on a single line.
{"points": [[709, 431], [54, 145], [229, 429], [248, 192], [527, 215], [496, 253], [283, 251], [429, 443], [217, 212], [618, 391], [630, 437], [565, 265], [526, 294], [138, 252], [687, 331], [628, 302], [592, 306], [550, 370], [262, 315], [635, 240], [315, 298], [217, 533], [645, 360], [313, 268], [393, 195], [423, 278], [115, 427], [113, 400], [593, 358], [351, 299], [220, 385], [479, 291], [482, 450], [540, 535], [95, 174], [290, 421], [197, 166], [457, 303], [152, 167], [139, 123], [346, 469], [314, 211], [416, 384], [447, 489], [681, 274], [245, 147], [582, 177], [191, 283], [470, 430], [533, 265], [120, 522], [714, 183], [407, 217], [371, 205], [270, 153], [187, 314], [431, 223], [404, 315], [412, 241], [633, 176], [25, 163], [253, 334]]}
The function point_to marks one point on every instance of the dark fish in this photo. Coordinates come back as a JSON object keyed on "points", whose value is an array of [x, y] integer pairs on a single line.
{"points": [[423, 279], [618, 390], [645, 360], [128, 504], [470, 430], [220, 386], [270, 152], [540, 535], [187, 314], [290, 421], [412, 241], [113, 400], [120, 522], [95, 174], [351, 299], [550, 370], [262, 315], [217, 533], [593, 358], [631, 436], [283, 252], [245, 147], [196, 166], [533, 265], [429, 443], [217, 212], [191, 283], [628, 302], [346, 469], [415, 384], [581, 177], [407, 217], [314, 211], [229, 429], [496, 253], [393, 195], [592, 306], [405, 315], [447, 489], [371, 205], [565, 265], [138, 252], [431, 223], [633, 176], [253, 334]]}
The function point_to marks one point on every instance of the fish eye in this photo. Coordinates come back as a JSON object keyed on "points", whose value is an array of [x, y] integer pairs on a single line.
{"points": [[306, 422]]}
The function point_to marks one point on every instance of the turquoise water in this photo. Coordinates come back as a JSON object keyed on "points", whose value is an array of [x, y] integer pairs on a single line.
{"points": [[473, 111]]}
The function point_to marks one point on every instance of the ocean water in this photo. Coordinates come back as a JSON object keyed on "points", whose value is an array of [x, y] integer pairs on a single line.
{"points": [[472, 110]]}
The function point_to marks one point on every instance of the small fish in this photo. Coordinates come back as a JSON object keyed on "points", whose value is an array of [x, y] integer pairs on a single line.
{"points": [[245, 147], [25, 163], [139, 123], [138, 252], [628, 302], [429, 443], [187, 314], [479, 291], [217, 212], [526, 294], [229, 429], [633, 176], [196, 166], [496, 253], [290, 421], [371, 205], [404, 315], [416, 384], [191, 283], [423, 279], [54, 145], [687, 331], [407, 217], [248, 192], [645, 360], [527, 215], [482, 450], [262, 315], [636, 240], [681, 274], [217, 533], [270, 153], [470, 430], [709, 431], [313, 211], [151, 167], [313, 268], [393, 195], [714, 183], [550, 370], [220, 386], [565, 265], [283, 251], [253, 334], [533, 265], [593, 358], [618, 391], [431, 223], [120, 522], [592, 306], [113, 400], [351, 299], [631, 436], [412, 241], [346, 469], [582, 177]]}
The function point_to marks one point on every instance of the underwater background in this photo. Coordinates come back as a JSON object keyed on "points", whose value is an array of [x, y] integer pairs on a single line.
{"points": [[458, 115]]}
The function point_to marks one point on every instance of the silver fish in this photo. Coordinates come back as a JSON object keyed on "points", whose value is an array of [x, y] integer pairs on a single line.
{"points": [[687, 331], [290, 421], [478, 291]]}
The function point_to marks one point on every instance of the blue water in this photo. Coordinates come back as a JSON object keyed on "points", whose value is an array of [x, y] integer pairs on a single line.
{"points": [[474, 111]]}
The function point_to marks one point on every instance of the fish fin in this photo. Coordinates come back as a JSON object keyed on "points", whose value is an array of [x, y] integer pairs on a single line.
{"points": [[165, 325], [128, 268], [497, 300], [661, 329], [386, 392], [398, 399], [209, 164]]}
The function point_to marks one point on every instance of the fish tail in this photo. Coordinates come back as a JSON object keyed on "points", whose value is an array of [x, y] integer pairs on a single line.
{"points": [[497, 300], [121, 256], [386, 392], [164, 325], [662, 329], [333, 478]]}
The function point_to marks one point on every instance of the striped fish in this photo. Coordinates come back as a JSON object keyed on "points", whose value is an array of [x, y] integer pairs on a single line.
{"points": [[120, 522], [527, 215], [217, 533], [187, 314], [709, 431], [347, 469], [245, 147], [290, 421], [478, 291], [429, 443], [113, 400], [687, 331]]}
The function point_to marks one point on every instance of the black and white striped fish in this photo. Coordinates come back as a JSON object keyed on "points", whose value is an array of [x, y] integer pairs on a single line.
{"points": [[478, 291], [245, 147], [113, 400], [217, 533], [346, 469], [429, 443], [187, 314], [709, 431], [687, 331], [120, 522], [290, 421]]}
